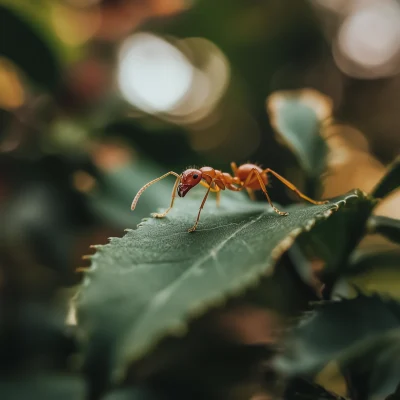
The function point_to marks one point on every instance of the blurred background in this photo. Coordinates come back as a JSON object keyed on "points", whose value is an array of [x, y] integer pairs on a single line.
{"points": [[97, 97]]}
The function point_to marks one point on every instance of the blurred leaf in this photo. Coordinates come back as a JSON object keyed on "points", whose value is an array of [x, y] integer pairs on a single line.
{"points": [[134, 394], [206, 364], [372, 272], [301, 389], [150, 283], [112, 199], [33, 337], [43, 387], [335, 240], [25, 45], [38, 219], [388, 227], [297, 118], [285, 291], [390, 182], [395, 395], [368, 261], [375, 372], [345, 331]]}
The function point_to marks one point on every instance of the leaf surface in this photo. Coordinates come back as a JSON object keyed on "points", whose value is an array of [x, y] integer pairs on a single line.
{"points": [[334, 241], [297, 118], [43, 387], [371, 272], [153, 281], [111, 200], [301, 389], [362, 334], [375, 372], [134, 394]]}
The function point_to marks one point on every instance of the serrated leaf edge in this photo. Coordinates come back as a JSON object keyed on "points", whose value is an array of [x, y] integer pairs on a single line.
{"points": [[179, 328]]}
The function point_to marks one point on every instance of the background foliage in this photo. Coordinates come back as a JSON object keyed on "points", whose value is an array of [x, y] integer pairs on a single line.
{"points": [[99, 97]]}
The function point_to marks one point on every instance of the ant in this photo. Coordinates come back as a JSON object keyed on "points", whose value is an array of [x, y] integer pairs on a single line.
{"points": [[247, 176]]}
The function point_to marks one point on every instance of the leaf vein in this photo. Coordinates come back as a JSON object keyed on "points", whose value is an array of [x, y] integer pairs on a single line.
{"points": [[168, 290]]}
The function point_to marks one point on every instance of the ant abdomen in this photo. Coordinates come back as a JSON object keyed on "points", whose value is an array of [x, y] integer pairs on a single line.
{"points": [[244, 171]]}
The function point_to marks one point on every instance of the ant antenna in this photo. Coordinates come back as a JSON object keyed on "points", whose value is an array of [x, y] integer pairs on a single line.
{"points": [[139, 193]]}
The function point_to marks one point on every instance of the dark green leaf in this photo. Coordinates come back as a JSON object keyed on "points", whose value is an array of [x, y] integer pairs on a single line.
{"points": [[285, 291], [371, 272], [204, 365], [25, 46], [352, 332], [47, 232], [388, 227], [112, 199], [301, 389], [374, 372], [150, 283], [43, 387], [365, 262], [395, 395], [297, 118], [134, 394], [34, 335], [334, 241], [390, 182]]}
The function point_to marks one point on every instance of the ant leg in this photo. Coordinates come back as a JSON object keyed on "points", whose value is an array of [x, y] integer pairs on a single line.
{"points": [[294, 188], [193, 228], [264, 189], [206, 185], [234, 168], [162, 215], [218, 197], [216, 190], [139, 193], [251, 194]]}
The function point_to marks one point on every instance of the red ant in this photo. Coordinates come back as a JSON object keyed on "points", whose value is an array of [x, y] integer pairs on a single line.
{"points": [[247, 176]]}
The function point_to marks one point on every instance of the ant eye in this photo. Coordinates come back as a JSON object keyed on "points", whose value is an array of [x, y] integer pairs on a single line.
{"points": [[195, 176]]}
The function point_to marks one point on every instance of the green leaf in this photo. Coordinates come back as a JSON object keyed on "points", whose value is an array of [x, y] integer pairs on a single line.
{"points": [[134, 394], [390, 182], [388, 227], [43, 387], [360, 331], [375, 372], [301, 389], [153, 281], [334, 241], [297, 118], [372, 272], [112, 198], [367, 261], [395, 395]]}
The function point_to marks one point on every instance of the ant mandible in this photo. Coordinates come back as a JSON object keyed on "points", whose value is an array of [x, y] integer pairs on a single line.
{"points": [[247, 176]]}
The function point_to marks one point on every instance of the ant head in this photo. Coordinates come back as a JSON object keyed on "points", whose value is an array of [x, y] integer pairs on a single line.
{"points": [[190, 178]]}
